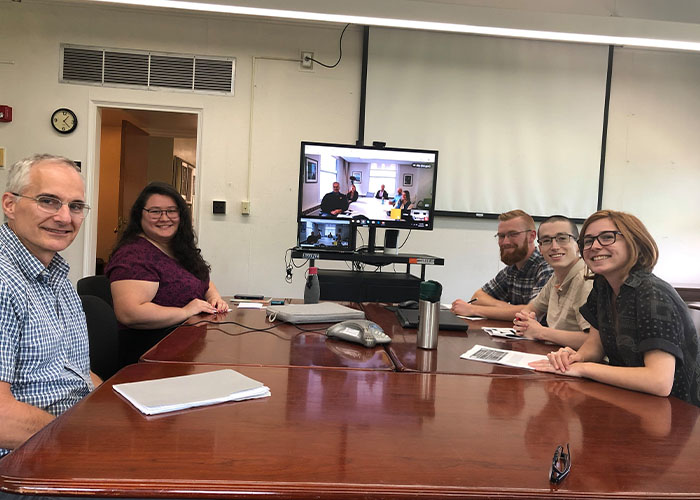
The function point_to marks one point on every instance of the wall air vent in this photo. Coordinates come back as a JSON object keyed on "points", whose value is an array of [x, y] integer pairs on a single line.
{"points": [[83, 65], [140, 69]]}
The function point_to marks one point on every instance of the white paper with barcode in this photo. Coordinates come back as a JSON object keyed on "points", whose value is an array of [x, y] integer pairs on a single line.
{"points": [[502, 357]]}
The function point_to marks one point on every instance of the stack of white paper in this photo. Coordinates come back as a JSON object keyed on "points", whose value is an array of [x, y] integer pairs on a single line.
{"points": [[188, 391], [502, 357]]}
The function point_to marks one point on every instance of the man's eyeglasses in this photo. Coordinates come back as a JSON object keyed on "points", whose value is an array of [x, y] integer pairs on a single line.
{"points": [[561, 464], [51, 205], [560, 238], [510, 234], [606, 238], [155, 213]]}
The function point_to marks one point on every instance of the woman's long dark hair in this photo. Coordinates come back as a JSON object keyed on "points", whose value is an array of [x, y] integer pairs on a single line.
{"points": [[184, 242]]}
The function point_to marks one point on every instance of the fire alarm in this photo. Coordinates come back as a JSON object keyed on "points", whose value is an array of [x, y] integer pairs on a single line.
{"points": [[5, 113]]}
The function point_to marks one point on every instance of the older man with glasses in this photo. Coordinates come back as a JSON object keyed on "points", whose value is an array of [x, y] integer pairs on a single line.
{"points": [[517, 284], [44, 352]]}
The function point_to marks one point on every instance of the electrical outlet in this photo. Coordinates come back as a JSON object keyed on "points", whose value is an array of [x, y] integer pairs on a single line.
{"points": [[245, 207], [306, 59]]}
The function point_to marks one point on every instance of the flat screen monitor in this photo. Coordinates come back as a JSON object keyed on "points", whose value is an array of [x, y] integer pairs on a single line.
{"points": [[391, 188], [326, 234]]}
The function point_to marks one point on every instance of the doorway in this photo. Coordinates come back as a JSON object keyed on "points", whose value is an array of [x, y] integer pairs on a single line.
{"points": [[138, 147]]}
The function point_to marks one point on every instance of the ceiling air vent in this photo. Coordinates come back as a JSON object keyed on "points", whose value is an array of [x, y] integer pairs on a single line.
{"points": [[142, 69]]}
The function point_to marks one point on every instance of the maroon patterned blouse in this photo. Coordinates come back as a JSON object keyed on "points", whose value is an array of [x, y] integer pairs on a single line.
{"points": [[142, 260]]}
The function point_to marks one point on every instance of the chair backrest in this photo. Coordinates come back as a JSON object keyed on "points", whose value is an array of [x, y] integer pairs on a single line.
{"points": [[103, 335], [694, 308], [97, 286]]}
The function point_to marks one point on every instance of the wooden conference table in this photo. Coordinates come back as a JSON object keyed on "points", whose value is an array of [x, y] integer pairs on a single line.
{"points": [[338, 433], [232, 339], [221, 342]]}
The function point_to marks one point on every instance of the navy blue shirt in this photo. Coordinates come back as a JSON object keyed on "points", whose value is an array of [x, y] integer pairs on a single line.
{"points": [[648, 315]]}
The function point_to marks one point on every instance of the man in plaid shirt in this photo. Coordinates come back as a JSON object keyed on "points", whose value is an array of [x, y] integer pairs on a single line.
{"points": [[517, 284], [44, 353]]}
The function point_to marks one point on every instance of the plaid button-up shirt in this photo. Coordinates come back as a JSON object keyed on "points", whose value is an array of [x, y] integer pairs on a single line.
{"points": [[44, 350], [520, 286]]}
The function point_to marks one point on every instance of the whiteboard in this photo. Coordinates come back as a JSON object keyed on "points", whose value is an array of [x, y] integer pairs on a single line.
{"points": [[518, 123]]}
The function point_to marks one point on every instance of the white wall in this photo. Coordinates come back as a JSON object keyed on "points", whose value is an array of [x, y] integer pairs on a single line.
{"points": [[246, 252], [287, 105], [653, 160]]}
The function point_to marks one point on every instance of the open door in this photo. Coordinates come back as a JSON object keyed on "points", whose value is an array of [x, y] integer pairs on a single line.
{"points": [[133, 170], [137, 147]]}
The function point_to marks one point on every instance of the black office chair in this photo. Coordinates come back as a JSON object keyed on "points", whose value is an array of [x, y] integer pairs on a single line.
{"points": [[97, 286], [694, 308], [103, 336]]}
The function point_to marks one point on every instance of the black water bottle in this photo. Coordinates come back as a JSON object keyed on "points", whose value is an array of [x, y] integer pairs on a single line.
{"points": [[312, 290]]}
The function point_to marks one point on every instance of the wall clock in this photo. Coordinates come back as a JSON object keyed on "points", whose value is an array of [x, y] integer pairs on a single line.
{"points": [[64, 121]]}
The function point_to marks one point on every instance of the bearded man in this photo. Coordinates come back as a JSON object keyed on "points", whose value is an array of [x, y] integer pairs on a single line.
{"points": [[517, 284]]}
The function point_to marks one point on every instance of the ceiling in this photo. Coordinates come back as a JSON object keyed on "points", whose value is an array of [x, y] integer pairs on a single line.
{"points": [[669, 19]]}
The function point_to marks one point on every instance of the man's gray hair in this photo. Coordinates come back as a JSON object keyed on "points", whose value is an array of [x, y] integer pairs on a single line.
{"points": [[18, 177]]}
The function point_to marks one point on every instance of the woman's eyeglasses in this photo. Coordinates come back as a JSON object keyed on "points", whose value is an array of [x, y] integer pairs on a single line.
{"points": [[606, 238], [155, 213]]}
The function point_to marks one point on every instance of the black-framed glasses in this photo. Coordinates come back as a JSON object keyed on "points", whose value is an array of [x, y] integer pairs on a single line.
{"points": [[606, 238], [51, 205], [560, 238], [561, 464], [510, 234], [155, 213]]}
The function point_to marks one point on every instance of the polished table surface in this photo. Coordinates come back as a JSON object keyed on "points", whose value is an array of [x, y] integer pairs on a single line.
{"points": [[219, 341], [451, 345], [342, 434]]}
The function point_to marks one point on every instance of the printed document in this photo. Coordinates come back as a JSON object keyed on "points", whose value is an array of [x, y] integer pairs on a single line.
{"points": [[502, 357]]}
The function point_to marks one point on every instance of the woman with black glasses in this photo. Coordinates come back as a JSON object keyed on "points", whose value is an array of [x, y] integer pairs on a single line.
{"points": [[157, 274], [637, 320]]}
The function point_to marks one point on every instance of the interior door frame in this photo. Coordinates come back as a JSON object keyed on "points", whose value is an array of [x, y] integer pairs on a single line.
{"points": [[91, 171]]}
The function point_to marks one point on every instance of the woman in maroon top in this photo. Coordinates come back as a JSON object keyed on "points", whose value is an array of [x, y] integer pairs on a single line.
{"points": [[157, 274]]}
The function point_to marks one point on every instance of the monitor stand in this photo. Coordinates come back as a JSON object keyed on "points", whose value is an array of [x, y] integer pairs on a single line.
{"points": [[371, 243]]}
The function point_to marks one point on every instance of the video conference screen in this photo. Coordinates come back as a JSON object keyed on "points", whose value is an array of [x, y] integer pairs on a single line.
{"points": [[368, 186], [326, 234]]}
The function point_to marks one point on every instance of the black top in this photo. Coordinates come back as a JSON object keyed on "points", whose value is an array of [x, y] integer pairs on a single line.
{"points": [[648, 315], [334, 201], [382, 194]]}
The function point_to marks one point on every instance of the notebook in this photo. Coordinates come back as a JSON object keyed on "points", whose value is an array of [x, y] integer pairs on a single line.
{"points": [[323, 312], [188, 391], [408, 318]]}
